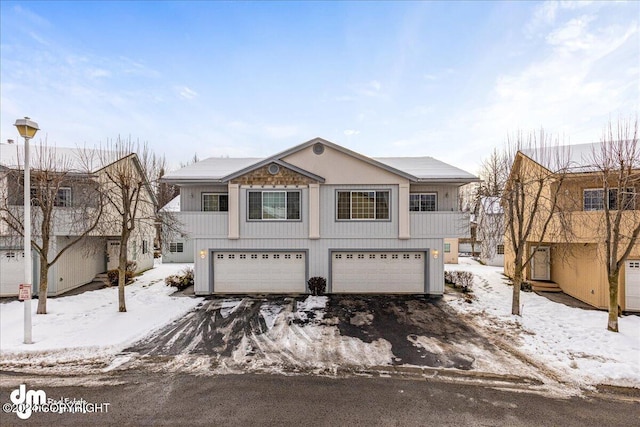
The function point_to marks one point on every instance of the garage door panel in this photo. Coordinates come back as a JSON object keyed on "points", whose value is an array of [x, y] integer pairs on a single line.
{"points": [[259, 272], [378, 272], [632, 285], [11, 272]]}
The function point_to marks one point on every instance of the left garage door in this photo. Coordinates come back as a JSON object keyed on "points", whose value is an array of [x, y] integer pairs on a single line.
{"points": [[632, 285], [259, 272], [11, 272]]}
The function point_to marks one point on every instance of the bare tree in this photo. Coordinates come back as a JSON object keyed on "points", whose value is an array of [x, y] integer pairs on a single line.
{"points": [[494, 172], [130, 200], [617, 159], [530, 199], [64, 198]]}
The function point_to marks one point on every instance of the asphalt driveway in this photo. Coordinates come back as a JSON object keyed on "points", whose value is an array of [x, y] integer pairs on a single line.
{"points": [[316, 333]]}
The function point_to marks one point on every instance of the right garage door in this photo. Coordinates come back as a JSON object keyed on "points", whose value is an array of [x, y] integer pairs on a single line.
{"points": [[378, 272], [632, 285]]}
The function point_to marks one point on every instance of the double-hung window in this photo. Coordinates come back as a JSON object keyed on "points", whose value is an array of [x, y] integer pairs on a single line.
{"points": [[363, 205], [175, 247], [62, 197], [274, 205], [423, 202], [215, 202], [594, 200]]}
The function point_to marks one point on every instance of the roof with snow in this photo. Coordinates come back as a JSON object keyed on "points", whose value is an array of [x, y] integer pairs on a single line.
{"points": [[413, 168], [172, 206]]}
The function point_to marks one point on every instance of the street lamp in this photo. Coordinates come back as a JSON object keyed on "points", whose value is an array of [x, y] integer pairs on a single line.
{"points": [[27, 129]]}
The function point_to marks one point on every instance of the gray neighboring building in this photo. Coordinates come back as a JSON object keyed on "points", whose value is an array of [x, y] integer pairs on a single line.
{"points": [[368, 225]]}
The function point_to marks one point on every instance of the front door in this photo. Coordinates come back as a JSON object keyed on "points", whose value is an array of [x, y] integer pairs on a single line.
{"points": [[113, 254], [541, 264]]}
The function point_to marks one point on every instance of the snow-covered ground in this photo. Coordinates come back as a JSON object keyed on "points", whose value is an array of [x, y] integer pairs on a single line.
{"points": [[572, 342], [88, 326], [88, 329]]}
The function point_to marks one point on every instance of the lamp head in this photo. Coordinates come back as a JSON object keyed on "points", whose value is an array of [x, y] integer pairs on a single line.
{"points": [[26, 127]]}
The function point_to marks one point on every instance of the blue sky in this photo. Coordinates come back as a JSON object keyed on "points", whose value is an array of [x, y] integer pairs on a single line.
{"points": [[449, 80]]}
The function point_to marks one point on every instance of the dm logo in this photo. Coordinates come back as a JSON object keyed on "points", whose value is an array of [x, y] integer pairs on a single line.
{"points": [[25, 400]]}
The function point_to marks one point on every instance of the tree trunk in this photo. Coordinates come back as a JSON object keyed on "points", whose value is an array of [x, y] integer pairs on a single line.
{"points": [[122, 268], [517, 285], [42, 288], [612, 323]]}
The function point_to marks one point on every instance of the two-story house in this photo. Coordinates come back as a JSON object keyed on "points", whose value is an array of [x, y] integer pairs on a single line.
{"points": [[571, 256], [491, 230], [83, 172], [368, 225]]}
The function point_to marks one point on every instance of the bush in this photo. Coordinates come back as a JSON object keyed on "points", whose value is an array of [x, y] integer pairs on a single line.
{"points": [[128, 274], [462, 280], [181, 281], [317, 285]]}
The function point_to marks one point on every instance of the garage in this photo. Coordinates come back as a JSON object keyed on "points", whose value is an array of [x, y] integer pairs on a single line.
{"points": [[259, 272], [378, 272], [632, 285], [11, 272]]}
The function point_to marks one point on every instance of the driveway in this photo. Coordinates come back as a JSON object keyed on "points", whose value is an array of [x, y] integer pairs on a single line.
{"points": [[302, 333]]}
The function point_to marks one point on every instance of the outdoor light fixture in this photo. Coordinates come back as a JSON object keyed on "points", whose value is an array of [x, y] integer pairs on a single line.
{"points": [[435, 254], [203, 254], [27, 129]]}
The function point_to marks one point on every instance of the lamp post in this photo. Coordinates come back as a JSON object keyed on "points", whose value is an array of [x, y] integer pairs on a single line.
{"points": [[27, 129]]}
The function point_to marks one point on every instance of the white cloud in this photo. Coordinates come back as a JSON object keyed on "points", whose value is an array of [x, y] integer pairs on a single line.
{"points": [[350, 132], [280, 131], [574, 35], [186, 92]]}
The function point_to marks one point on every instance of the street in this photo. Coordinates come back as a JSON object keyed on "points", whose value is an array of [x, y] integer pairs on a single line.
{"points": [[144, 398]]}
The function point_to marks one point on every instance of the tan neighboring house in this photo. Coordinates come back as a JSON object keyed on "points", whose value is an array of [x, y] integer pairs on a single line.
{"points": [[450, 251], [574, 262], [98, 252]]}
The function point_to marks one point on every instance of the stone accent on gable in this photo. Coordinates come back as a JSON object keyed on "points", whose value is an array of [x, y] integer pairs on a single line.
{"points": [[262, 176]]}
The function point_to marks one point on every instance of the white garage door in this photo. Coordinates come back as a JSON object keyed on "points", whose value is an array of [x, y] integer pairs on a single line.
{"points": [[259, 272], [11, 272], [632, 285], [378, 272]]}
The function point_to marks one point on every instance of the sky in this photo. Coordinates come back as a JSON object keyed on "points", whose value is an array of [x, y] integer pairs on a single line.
{"points": [[449, 80]]}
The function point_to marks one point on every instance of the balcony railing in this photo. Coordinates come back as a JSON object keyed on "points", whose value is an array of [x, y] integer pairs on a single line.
{"points": [[439, 224]]}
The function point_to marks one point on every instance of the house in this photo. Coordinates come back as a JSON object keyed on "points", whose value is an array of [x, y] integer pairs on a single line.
{"points": [[368, 225], [491, 231], [450, 251], [81, 171], [574, 261]]}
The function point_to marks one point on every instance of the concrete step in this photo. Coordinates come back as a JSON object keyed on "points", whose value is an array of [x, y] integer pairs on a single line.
{"points": [[546, 288]]}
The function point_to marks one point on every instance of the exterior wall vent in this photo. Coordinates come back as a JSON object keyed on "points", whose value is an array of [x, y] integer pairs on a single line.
{"points": [[274, 169], [318, 148]]}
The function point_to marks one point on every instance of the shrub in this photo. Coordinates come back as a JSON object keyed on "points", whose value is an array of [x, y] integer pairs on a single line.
{"points": [[128, 274], [462, 280], [181, 281], [317, 285]]}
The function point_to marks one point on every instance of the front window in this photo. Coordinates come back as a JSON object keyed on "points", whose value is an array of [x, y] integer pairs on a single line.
{"points": [[363, 205], [214, 202], [274, 205], [40, 197], [423, 202]]}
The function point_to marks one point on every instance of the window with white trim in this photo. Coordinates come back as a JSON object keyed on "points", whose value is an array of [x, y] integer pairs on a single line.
{"points": [[215, 202], [273, 205], [423, 202], [62, 197], [593, 199], [447, 247], [363, 205], [176, 247]]}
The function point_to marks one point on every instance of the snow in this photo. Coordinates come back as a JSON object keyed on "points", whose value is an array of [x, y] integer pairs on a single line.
{"points": [[568, 344], [572, 342], [89, 326]]}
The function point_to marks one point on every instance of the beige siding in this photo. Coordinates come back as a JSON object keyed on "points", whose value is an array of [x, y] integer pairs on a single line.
{"points": [[580, 275], [451, 257], [77, 266]]}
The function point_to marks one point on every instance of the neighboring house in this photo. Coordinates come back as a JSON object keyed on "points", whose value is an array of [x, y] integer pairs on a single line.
{"points": [[491, 231], [450, 251], [574, 261], [98, 252], [318, 209]]}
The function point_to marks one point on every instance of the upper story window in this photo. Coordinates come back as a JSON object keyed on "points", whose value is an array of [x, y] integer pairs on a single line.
{"points": [[423, 202], [593, 199], [215, 202], [363, 205], [62, 197], [274, 205]]}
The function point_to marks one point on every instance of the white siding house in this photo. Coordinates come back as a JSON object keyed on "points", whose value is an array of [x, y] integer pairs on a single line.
{"points": [[318, 209]]}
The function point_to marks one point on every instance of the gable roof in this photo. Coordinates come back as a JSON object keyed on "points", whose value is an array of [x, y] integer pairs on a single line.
{"points": [[415, 169]]}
